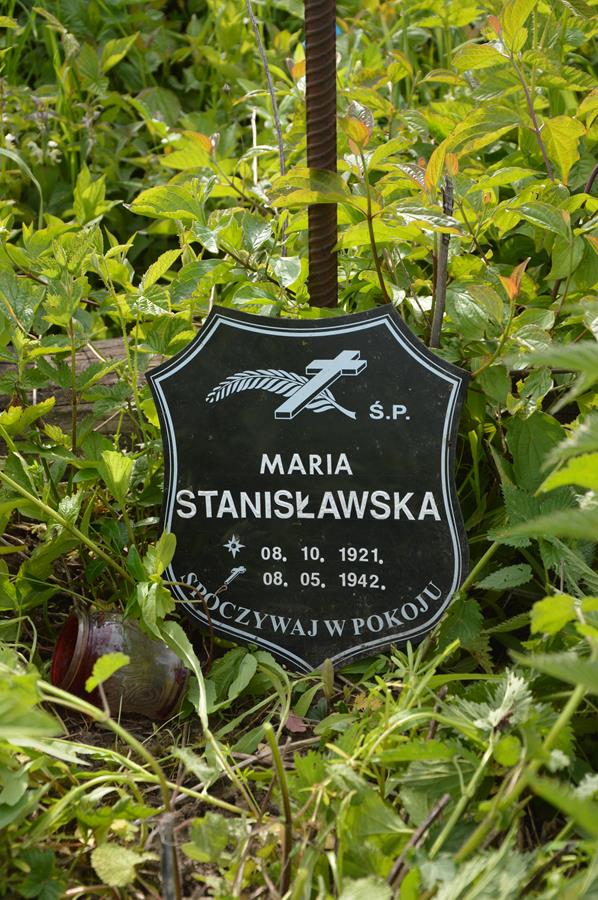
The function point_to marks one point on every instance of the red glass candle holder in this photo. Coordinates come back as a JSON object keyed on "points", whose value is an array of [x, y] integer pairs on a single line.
{"points": [[151, 685]]}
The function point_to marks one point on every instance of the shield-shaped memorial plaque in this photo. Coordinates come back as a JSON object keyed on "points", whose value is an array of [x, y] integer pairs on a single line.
{"points": [[309, 482]]}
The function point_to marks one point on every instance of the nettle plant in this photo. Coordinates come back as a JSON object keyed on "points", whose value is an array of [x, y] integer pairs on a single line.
{"points": [[465, 190]]}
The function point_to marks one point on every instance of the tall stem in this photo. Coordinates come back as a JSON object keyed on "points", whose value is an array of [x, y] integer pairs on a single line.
{"points": [[74, 398], [479, 566], [534, 118], [271, 91], [503, 339], [275, 115], [461, 805], [441, 269], [370, 219], [285, 877], [64, 523], [590, 182]]}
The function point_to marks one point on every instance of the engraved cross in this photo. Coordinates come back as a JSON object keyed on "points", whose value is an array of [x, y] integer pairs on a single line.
{"points": [[325, 372]]}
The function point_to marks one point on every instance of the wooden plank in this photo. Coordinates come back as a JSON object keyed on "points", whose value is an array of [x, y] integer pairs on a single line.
{"points": [[110, 351]]}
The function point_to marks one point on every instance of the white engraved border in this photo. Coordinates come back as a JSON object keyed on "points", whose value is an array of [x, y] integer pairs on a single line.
{"points": [[374, 319]]}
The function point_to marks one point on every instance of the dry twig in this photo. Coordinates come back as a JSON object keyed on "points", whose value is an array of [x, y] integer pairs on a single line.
{"points": [[400, 867]]}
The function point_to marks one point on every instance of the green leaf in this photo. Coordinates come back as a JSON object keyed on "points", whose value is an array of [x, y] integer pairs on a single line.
{"points": [[14, 784], [477, 56], [197, 765], [501, 176], [566, 256], [561, 136], [191, 151], [372, 886], [303, 187], [159, 268], [225, 669], [287, 269], [207, 237], [583, 439], [160, 554], [482, 127], [158, 103], [20, 719], [135, 565], [357, 132], [214, 838], [196, 278], [411, 212], [259, 299], [530, 441], [15, 420], [414, 750], [369, 815], [104, 668], [507, 751], [115, 50], [515, 14], [580, 524], [155, 602], [580, 357], [42, 881], [475, 309], [513, 17], [435, 166], [256, 232], [245, 673], [115, 864], [177, 640], [165, 549], [567, 667], [508, 704], [116, 470], [170, 201], [550, 615], [544, 216], [14, 157], [384, 233], [383, 151], [579, 7], [583, 471], [495, 381], [90, 197], [437, 15], [583, 812], [303, 704], [19, 300], [508, 577], [463, 622]]}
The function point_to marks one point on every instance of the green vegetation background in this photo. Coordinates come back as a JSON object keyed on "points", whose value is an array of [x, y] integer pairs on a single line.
{"points": [[140, 181]]}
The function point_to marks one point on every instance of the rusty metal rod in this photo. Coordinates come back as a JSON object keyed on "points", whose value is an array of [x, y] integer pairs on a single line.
{"points": [[320, 77]]}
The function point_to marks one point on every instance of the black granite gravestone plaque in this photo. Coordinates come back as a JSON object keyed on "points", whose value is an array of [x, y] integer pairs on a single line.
{"points": [[309, 482]]}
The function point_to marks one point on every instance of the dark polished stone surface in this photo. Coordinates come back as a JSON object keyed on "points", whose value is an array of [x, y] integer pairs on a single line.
{"points": [[309, 482]]}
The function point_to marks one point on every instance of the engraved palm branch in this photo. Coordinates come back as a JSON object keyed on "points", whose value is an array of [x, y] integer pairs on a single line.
{"points": [[279, 382]]}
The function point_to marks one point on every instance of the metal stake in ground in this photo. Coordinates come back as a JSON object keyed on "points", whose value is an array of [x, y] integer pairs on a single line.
{"points": [[320, 76]]}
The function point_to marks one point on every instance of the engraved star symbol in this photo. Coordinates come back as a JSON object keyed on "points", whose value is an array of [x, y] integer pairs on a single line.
{"points": [[234, 545]]}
